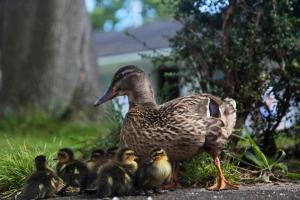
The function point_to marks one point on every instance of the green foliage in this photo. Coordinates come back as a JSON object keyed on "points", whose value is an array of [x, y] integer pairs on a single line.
{"points": [[293, 176], [106, 12], [262, 167], [239, 51], [200, 170], [34, 133], [260, 160]]}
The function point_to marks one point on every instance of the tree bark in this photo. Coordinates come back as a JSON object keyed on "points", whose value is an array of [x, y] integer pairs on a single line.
{"points": [[47, 57]]}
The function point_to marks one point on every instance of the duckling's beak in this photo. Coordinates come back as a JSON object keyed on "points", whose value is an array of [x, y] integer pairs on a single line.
{"points": [[111, 93], [55, 158]]}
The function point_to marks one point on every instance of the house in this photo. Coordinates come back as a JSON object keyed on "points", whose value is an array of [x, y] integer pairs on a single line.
{"points": [[117, 49]]}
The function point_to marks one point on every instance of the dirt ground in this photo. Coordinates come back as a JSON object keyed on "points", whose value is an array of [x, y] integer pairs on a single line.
{"points": [[272, 191]]}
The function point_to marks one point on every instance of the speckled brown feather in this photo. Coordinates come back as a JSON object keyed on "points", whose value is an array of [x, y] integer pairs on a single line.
{"points": [[181, 126]]}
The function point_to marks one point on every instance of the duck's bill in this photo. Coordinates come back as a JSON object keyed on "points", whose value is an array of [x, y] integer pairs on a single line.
{"points": [[108, 96]]}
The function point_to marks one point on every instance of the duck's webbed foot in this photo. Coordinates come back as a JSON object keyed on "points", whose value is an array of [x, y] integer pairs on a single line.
{"points": [[221, 182]]}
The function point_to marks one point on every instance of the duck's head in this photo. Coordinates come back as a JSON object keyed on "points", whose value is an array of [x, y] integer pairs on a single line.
{"points": [[96, 156], [111, 153], [40, 162], [64, 155], [129, 81], [158, 154], [126, 156]]}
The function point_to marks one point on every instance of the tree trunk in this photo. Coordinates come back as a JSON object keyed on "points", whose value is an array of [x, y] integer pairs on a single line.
{"points": [[47, 58]]}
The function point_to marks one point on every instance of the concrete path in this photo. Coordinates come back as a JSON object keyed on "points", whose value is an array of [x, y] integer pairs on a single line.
{"points": [[278, 191]]}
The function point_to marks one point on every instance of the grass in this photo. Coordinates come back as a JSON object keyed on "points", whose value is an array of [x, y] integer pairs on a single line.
{"points": [[23, 138], [201, 171]]}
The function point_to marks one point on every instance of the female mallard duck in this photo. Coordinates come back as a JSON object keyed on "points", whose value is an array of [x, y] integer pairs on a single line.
{"points": [[183, 127]]}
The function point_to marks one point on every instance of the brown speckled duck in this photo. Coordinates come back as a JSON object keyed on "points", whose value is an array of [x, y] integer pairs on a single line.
{"points": [[183, 127]]}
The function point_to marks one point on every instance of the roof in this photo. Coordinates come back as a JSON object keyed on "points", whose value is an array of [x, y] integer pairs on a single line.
{"points": [[155, 35]]}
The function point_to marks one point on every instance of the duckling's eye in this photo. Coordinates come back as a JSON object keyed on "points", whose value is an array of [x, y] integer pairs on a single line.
{"points": [[129, 154]]}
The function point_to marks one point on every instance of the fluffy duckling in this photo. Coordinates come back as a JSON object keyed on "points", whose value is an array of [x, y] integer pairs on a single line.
{"points": [[42, 183], [98, 158], [154, 173], [73, 172], [116, 178], [111, 153]]}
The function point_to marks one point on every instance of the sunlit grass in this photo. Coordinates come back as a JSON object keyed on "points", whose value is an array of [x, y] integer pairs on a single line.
{"points": [[16, 165], [25, 137]]}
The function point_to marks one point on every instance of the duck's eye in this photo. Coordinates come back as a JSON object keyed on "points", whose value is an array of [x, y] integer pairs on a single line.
{"points": [[120, 76]]}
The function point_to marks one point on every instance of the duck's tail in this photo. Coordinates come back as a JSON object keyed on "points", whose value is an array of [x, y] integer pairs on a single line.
{"points": [[228, 114]]}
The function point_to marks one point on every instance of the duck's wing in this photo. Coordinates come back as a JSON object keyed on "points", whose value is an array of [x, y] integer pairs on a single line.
{"points": [[206, 105]]}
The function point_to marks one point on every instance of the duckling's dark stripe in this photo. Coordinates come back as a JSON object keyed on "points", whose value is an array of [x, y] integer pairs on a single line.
{"points": [[214, 109]]}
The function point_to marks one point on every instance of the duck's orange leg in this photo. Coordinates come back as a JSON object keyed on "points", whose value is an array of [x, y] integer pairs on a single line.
{"points": [[221, 182]]}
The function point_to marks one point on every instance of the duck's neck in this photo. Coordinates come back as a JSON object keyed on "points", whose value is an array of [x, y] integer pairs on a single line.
{"points": [[142, 93]]}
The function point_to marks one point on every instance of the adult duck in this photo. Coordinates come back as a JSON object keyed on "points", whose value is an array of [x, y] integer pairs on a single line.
{"points": [[183, 127]]}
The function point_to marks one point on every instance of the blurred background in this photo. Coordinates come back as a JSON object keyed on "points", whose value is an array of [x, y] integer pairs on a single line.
{"points": [[58, 56]]}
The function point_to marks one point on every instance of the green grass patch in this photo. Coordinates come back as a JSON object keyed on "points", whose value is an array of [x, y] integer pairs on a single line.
{"points": [[17, 164], [24, 137], [201, 171]]}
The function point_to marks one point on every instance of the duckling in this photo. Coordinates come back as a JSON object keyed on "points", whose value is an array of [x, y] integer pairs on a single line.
{"points": [[98, 158], [183, 127], [116, 178], [73, 172], [111, 153], [154, 173], [42, 183]]}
